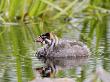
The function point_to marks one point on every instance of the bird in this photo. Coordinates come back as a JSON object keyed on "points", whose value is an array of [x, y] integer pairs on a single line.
{"points": [[54, 48]]}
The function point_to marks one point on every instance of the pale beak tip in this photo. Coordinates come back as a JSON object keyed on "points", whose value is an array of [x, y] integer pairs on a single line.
{"points": [[38, 40]]}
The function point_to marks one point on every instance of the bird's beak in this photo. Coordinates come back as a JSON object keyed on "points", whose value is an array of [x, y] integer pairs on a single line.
{"points": [[39, 39]]}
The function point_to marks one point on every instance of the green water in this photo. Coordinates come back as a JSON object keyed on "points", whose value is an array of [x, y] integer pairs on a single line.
{"points": [[17, 52]]}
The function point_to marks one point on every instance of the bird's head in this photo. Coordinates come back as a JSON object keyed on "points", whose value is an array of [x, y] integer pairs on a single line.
{"points": [[48, 38]]}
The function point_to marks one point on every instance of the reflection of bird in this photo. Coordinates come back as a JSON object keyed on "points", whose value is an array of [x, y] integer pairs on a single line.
{"points": [[46, 71], [55, 48]]}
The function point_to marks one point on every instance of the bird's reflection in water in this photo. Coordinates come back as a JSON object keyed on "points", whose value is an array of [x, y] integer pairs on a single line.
{"points": [[61, 63], [66, 62]]}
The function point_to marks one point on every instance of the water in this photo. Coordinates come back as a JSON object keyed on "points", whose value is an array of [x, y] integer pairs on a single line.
{"points": [[18, 61]]}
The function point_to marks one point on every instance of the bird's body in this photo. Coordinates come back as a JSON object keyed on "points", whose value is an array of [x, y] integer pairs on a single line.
{"points": [[65, 48]]}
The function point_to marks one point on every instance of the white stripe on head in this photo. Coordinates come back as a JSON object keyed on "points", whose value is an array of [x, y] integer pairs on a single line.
{"points": [[49, 41]]}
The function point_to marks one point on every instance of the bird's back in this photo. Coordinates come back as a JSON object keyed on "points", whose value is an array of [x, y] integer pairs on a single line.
{"points": [[67, 48]]}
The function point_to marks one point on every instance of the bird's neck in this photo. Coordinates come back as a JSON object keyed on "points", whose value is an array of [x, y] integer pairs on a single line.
{"points": [[54, 41]]}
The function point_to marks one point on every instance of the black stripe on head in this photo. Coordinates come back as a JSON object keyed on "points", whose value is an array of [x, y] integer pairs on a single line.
{"points": [[46, 35]]}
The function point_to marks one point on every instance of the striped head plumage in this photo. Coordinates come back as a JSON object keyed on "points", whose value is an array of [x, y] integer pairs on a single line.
{"points": [[48, 38]]}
